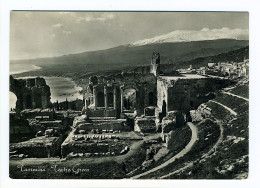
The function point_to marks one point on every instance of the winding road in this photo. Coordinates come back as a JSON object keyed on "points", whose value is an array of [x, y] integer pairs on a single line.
{"points": [[193, 139]]}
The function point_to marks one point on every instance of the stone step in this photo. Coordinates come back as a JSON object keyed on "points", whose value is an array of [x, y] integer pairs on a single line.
{"points": [[102, 118]]}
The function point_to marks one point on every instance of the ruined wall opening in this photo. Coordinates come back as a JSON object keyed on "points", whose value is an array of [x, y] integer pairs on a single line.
{"points": [[12, 100], [129, 102], [100, 99], [110, 99], [28, 102], [192, 104], [152, 99], [163, 113], [164, 109], [38, 101]]}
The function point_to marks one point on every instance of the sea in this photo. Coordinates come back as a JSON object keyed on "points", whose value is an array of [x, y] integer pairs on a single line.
{"points": [[61, 88]]}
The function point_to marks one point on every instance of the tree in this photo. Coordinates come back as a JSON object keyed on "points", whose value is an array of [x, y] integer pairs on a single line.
{"points": [[66, 104], [57, 106]]}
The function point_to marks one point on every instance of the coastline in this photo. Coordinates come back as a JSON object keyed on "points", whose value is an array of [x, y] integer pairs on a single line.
{"points": [[34, 67]]}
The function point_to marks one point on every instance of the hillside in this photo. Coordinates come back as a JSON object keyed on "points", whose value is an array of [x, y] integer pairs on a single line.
{"points": [[237, 55], [126, 56]]}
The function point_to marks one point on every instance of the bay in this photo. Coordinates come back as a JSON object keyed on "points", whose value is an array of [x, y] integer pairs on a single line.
{"points": [[61, 88]]}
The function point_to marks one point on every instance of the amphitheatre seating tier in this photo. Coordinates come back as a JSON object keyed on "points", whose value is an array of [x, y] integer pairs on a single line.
{"points": [[238, 105], [241, 90], [208, 134]]}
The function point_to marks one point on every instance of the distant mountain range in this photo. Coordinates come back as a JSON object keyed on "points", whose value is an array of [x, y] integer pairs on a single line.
{"points": [[122, 57], [193, 35]]}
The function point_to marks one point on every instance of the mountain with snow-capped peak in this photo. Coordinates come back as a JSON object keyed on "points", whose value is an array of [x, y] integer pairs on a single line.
{"points": [[193, 35]]}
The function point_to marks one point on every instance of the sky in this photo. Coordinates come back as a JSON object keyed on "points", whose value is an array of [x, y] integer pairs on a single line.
{"points": [[35, 34]]}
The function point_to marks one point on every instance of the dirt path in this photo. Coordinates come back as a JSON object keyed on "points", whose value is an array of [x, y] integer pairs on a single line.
{"points": [[203, 156], [227, 108], [234, 95], [193, 139]]}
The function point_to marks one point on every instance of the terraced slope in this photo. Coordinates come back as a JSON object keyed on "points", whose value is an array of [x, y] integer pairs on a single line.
{"points": [[230, 159]]}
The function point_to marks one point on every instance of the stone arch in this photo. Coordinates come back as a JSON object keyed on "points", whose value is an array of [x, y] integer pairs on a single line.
{"points": [[100, 99]]}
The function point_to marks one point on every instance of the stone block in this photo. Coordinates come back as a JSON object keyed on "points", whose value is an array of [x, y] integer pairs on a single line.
{"points": [[149, 111], [145, 125]]}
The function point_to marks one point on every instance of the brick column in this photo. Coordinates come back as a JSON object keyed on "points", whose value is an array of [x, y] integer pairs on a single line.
{"points": [[95, 97], [85, 101], [114, 97], [122, 98], [105, 95]]}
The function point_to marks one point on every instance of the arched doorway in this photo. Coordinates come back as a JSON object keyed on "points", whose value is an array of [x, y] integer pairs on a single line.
{"points": [[100, 99]]}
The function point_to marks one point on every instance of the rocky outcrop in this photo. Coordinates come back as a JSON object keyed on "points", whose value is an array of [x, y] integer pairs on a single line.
{"points": [[145, 125], [19, 125], [201, 113], [173, 120]]}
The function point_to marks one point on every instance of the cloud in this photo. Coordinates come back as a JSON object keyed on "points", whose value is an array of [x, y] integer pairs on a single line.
{"points": [[64, 12], [66, 32], [28, 14], [96, 17], [89, 31], [205, 29], [57, 25]]}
